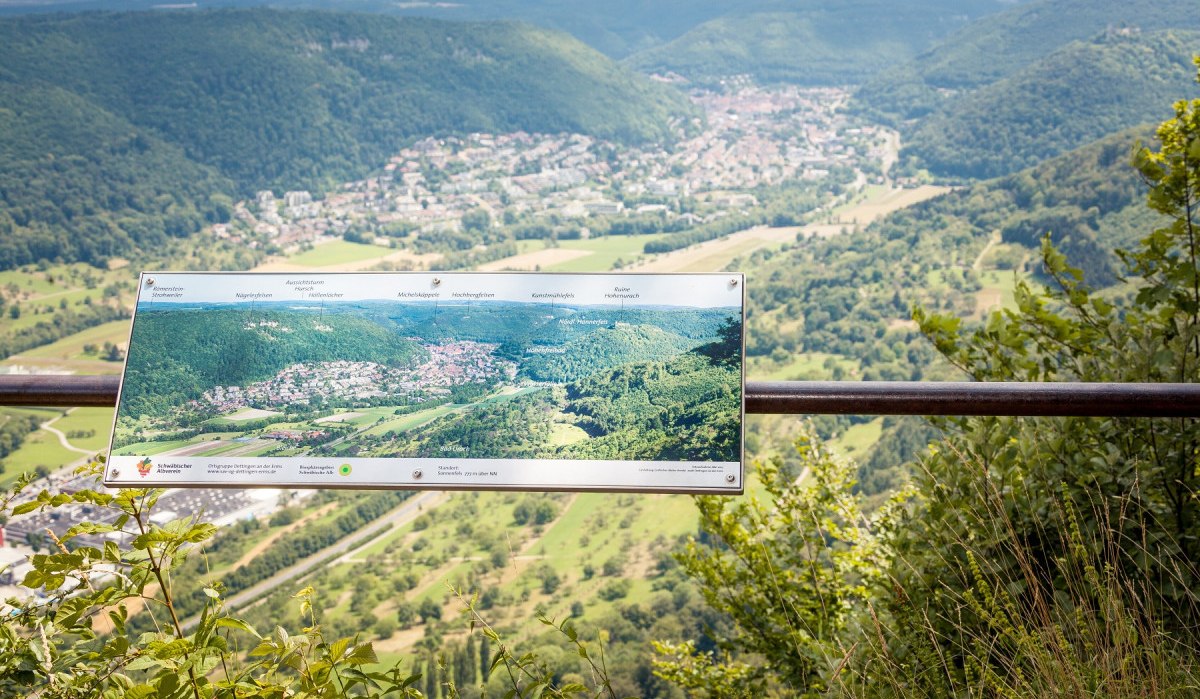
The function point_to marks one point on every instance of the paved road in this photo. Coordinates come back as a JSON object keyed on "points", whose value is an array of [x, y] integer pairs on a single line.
{"points": [[62, 438], [410, 508]]}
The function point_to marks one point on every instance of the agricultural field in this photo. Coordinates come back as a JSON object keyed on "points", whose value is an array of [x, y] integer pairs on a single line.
{"points": [[85, 346], [997, 292], [720, 254], [857, 440], [587, 255], [808, 366], [44, 290], [529, 551], [338, 252], [877, 201], [43, 448], [604, 253], [64, 318], [87, 428]]}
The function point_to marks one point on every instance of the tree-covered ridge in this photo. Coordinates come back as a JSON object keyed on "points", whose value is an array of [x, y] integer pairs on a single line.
{"points": [[850, 297], [521, 326], [1083, 91], [686, 408], [810, 43], [602, 349], [1088, 200], [78, 182], [1002, 44], [191, 107], [179, 354]]}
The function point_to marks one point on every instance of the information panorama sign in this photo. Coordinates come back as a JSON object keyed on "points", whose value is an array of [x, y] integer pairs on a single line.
{"points": [[523, 381]]}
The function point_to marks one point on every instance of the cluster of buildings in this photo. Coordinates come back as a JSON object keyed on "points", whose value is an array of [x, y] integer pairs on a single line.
{"points": [[31, 533], [750, 136], [447, 365], [455, 363], [299, 384], [295, 435], [767, 136]]}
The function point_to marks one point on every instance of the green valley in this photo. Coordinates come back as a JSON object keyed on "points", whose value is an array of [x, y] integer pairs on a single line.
{"points": [[113, 142], [896, 181]]}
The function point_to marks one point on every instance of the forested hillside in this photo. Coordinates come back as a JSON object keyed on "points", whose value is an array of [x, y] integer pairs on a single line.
{"points": [[79, 182], [810, 43], [1083, 91], [605, 348], [182, 359], [1000, 45], [636, 410], [117, 127], [848, 298], [847, 288]]}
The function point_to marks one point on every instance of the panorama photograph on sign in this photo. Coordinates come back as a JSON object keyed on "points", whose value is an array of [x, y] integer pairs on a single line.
{"points": [[467, 380]]}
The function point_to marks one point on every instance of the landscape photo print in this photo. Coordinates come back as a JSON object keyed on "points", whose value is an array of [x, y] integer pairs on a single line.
{"points": [[434, 380]]}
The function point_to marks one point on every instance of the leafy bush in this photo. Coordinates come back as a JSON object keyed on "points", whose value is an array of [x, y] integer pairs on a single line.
{"points": [[615, 590], [52, 648]]}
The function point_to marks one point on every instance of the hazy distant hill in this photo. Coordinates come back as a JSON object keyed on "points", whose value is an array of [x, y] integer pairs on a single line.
{"points": [[615, 27], [811, 42], [117, 127], [1002, 44], [1073, 96]]}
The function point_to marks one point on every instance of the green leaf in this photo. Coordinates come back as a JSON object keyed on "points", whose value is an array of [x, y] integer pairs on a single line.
{"points": [[144, 662], [362, 654], [239, 624], [26, 507]]}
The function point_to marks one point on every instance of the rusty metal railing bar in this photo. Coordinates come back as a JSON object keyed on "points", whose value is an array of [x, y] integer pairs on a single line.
{"points": [[798, 397]]}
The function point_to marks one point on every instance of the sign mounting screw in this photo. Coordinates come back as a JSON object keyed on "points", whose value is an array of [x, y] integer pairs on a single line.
{"points": [[729, 478], [733, 282], [416, 474], [437, 281], [149, 281]]}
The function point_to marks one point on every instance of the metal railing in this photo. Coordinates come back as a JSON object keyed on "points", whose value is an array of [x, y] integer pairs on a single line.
{"points": [[798, 397]]}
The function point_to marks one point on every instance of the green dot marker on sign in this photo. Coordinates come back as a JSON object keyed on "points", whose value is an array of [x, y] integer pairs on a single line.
{"points": [[344, 469]]}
